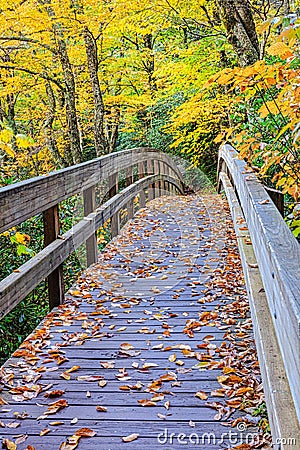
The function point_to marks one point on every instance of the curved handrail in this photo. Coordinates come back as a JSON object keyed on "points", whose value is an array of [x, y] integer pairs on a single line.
{"points": [[17, 285], [23, 200], [278, 257], [40, 193]]}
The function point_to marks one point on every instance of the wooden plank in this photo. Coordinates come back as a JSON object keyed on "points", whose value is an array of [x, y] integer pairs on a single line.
{"points": [[55, 280], [23, 200], [281, 410], [150, 171], [141, 174], [129, 181], [113, 185], [17, 285], [154, 435], [156, 186], [118, 413], [63, 328], [278, 256], [89, 198]]}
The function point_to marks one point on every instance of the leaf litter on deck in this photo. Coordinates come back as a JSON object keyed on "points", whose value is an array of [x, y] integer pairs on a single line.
{"points": [[217, 284]]}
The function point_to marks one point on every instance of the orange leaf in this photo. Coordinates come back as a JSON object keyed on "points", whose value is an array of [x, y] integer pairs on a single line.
{"points": [[85, 432]]}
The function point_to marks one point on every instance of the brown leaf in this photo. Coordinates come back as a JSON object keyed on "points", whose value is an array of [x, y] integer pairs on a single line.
{"points": [[71, 444], [6, 443], [146, 402], [126, 346], [53, 394], [101, 408], [85, 432]]}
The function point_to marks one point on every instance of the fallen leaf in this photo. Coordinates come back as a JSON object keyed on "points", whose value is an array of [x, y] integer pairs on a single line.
{"points": [[202, 395], [126, 346], [146, 402], [172, 358], [9, 445], [45, 431], [101, 408], [130, 437], [85, 432], [53, 394]]}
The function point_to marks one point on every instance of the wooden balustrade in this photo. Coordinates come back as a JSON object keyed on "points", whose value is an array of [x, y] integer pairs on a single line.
{"points": [[24, 200], [277, 253]]}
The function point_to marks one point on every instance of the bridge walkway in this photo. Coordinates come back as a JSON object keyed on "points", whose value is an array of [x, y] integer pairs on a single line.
{"points": [[152, 349]]}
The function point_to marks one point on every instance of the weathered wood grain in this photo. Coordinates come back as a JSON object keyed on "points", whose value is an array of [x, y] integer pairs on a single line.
{"points": [[278, 256], [23, 200], [281, 410], [79, 315], [55, 279], [89, 199]]}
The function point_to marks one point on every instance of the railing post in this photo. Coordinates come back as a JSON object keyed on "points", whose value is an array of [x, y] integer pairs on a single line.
{"points": [[89, 199], [156, 184], [55, 280], [277, 197], [113, 189], [150, 172], [141, 174], [166, 183], [129, 181]]}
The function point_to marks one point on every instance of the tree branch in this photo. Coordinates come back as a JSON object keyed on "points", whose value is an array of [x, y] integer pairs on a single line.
{"points": [[30, 40], [31, 72]]}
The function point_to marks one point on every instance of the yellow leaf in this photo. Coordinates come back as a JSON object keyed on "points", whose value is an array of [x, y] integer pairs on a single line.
{"points": [[280, 49]]}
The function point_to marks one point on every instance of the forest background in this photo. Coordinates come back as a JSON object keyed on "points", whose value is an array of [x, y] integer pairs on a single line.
{"points": [[82, 78]]}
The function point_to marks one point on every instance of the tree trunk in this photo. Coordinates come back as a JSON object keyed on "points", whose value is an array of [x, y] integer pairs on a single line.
{"points": [[286, 7], [240, 26], [48, 126], [101, 146], [149, 62], [70, 88], [70, 97]]}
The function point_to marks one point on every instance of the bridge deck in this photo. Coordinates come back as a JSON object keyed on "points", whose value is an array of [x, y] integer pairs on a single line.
{"points": [[163, 316]]}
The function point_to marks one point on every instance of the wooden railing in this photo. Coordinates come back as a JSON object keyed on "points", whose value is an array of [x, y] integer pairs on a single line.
{"points": [[156, 173], [277, 255]]}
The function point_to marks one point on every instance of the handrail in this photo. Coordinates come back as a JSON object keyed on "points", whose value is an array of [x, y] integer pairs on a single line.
{"points": [[23, 200], [40, 193], [278, 257]]}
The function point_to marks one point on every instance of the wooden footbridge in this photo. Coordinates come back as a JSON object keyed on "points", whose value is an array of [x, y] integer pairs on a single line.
{"points": [[154, 346]]}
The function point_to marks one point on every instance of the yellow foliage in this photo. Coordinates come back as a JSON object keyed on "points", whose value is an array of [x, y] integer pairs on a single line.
{"points": [[280, 49]]}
